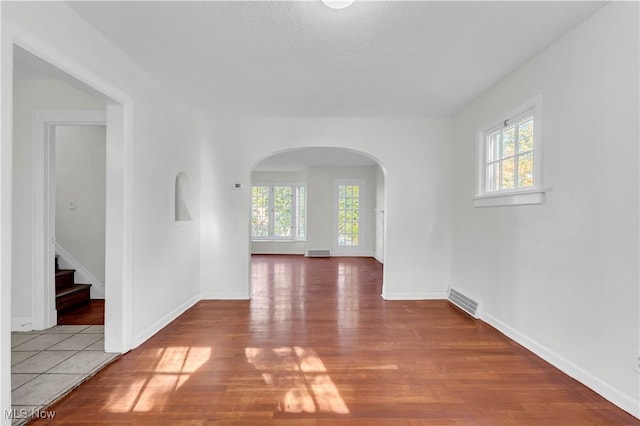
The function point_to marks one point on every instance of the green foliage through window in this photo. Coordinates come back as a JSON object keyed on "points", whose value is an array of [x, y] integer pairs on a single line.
{"points": [[278, 211], [509, 155], [348, 215]]}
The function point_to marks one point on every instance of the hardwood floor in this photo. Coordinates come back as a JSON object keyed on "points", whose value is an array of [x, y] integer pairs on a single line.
{"points": [[317, 345], [89, 314]]}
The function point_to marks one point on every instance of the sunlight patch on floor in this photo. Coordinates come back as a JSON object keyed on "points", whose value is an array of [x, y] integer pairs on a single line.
{"points": [[299, 377], [151, 391]]}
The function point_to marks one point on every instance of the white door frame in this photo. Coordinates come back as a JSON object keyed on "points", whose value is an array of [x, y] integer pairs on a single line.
{"points": [[43, 186], [119, 196]]}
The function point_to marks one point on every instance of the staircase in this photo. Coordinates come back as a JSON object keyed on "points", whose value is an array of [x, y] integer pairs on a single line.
{"points": [[68, 293]]}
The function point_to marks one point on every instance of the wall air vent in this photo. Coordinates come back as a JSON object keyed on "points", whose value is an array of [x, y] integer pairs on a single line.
{"points": [[318, 253], [465, 303]]}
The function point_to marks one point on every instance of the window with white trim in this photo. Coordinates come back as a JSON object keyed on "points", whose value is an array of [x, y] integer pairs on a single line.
{"points": [[349, 215], [509, 158], [278, 212]]}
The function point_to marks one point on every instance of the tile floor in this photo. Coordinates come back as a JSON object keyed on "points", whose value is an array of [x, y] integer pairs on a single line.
{"points": [[47, 364]]}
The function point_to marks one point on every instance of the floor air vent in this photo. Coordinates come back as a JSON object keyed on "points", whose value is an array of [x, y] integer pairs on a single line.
{"points": [[468, 305], [318, 253]]}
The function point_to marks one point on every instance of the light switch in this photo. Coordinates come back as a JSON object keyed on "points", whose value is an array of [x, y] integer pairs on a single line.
{"points": [[71, 204]]}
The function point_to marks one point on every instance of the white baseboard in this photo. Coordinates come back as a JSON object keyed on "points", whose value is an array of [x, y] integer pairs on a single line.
{"points": [[225, 296], [415, 296], [21, 324], [163, 322], [379, 259], [626, 402], [364, 254], [82, 274], [284, 252]]}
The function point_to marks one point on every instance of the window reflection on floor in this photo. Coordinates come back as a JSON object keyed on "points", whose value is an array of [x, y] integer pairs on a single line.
{"points": [[151, 389], [300, 379]]}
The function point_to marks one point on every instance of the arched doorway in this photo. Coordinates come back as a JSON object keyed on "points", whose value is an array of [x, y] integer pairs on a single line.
{"points": [[317, 202]]}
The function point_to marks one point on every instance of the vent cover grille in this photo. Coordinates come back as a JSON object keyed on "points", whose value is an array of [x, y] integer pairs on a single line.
{"points": [[318, 253], [465, 303]]}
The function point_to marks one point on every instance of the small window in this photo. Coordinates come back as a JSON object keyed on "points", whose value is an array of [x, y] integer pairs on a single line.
{"points": [[509, 159], [278, 212]]}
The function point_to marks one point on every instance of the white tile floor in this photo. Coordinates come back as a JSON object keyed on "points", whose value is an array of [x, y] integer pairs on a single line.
{"points": [[47, 364]]}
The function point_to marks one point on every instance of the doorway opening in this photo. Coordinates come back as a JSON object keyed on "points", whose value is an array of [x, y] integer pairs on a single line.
{"points": [[41, 79], [318, 202], [37, 86], [79, 222]]}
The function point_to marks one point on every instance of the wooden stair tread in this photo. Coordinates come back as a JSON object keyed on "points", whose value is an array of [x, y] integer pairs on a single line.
{"points": [[68, 293], [72, 289]]}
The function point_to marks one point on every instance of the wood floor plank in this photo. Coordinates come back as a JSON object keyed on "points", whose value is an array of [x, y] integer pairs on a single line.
{"points": [[91, 313], [317, 345]]}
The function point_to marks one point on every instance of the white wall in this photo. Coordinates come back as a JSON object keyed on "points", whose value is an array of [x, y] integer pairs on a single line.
{"points": [[165, 139], [30, 95], [81, 176], [415, 154], [321, 232], [562, 277]]}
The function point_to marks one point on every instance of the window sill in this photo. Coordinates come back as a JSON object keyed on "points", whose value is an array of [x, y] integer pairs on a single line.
{"points": [[518, 198]]}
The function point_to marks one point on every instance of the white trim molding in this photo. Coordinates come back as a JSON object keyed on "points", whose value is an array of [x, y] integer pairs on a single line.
{"points": [[118, 250], [626, 402], [119, 210], [225, 296], [21, 324], [43, 189], [510, 199], [147, 333], [415, 296], [6, 207]]}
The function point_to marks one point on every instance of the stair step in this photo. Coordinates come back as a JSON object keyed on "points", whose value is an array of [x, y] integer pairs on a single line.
{"points": [[65, 278], [76, 294], [72, 289]]}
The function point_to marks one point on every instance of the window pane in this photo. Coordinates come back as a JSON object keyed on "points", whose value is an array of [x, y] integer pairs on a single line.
{"points": [[355, 234], [348, 215], [525, 170], [525, 135], [509, 142], [282, 213], [300, 213], [348, 203], [260, 211], [493, 143], [493, 176], [508, 173]]}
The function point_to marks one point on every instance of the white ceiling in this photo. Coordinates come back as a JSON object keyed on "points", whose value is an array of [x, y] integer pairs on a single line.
{"points": [[377, 58]]}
